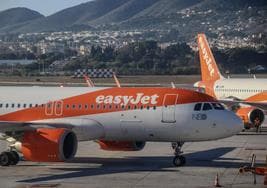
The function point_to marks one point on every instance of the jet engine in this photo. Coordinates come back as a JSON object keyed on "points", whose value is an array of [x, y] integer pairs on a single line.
{"points": [[48, 145], [251, 116], [121, 145]]}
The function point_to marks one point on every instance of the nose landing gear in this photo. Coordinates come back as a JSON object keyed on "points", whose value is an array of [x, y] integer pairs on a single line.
{"points": [[178, 160]]}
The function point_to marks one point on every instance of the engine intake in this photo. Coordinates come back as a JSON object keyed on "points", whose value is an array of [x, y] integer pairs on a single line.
{"points": [[251, 116], [48, 145]]}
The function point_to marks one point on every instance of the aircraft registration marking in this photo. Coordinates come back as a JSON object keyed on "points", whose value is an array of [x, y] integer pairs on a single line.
{"points": [[199, 116]]}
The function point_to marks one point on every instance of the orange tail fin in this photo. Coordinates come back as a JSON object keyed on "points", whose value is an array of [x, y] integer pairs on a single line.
{"points": [[209, 69]]}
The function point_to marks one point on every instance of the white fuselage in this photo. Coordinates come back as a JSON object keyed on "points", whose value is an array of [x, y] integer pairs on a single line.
{"points": [[177, 122], [239, 88]]}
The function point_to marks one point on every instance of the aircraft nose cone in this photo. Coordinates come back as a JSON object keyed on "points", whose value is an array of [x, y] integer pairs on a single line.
{"points": [[235, 123]]}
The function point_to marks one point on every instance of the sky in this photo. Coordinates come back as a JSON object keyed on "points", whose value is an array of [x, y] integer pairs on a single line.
{"points": [[45, 7]]}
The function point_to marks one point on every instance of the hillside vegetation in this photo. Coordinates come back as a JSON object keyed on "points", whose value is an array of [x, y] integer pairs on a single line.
{"points": [[186, 17]]}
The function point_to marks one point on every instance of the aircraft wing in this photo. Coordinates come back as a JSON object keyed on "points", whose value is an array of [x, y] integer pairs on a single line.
{"points": [[6, 126], [85, 129], [260, 105]]}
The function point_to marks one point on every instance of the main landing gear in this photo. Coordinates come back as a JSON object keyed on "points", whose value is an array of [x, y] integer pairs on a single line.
{"points": [[9, 158], [178, 160]]}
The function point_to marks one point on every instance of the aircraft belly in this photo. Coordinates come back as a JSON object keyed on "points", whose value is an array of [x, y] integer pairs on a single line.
{"points": [[145, 125]]}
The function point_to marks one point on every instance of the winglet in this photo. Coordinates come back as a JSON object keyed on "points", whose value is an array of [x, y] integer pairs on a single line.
{"points": [[116, 80], [209, 68], [88, 81], [173, 85]]}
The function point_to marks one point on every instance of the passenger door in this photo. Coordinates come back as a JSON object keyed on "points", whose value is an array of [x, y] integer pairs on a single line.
{"points": [[168, 109]]}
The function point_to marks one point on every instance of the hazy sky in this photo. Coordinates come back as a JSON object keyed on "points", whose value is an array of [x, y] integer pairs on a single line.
{"points": [[45, 7]]}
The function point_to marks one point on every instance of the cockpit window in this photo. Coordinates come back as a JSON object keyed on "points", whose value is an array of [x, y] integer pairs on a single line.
{"points": [[198, 107], [207, 106], [218, 106]]}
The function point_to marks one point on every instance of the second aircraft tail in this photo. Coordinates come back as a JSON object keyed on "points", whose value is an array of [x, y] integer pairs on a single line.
{"points": [[209, 68]]}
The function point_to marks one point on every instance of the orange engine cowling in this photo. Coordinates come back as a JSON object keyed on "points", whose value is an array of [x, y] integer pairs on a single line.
{"points": [[251, 116], [121, 145], [48, 145]]}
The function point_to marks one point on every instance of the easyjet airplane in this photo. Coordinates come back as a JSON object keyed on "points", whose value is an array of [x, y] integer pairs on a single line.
{"points": [[249, 95], [45, 124]]}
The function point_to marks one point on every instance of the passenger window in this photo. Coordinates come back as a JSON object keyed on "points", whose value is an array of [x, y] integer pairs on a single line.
{"points": [[1, 105], [154, 107], [218, 106], [24, 105], [13, 105], [147, 107], [207, 106], [6, 105], [198, 107], [17, 106]]}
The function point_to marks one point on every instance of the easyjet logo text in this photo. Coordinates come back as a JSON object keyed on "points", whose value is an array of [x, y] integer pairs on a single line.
{"points": [[206, 57], [125, 100]]}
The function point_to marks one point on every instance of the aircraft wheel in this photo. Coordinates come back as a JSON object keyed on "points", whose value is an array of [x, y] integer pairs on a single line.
{"points": [[179, 161], [5, 159], [14, 158]]}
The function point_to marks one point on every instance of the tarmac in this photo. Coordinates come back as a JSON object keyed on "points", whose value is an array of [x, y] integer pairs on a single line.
{"points": [[151, 167]]}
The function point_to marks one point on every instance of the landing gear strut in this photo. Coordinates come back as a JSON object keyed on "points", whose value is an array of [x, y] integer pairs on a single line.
{"points": [[178, 160], [9, 158]]}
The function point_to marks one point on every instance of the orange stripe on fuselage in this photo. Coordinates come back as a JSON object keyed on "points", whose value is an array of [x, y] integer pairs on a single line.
{"points": [[38, 113], [259, 97]]}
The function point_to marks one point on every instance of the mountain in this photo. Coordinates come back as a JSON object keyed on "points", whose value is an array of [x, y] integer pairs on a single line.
{"points": [[192, 16], [16, 17], [73, 18], [184, 17], [124, 12], [238, 18]]}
